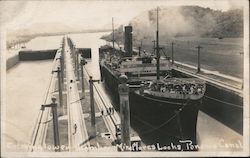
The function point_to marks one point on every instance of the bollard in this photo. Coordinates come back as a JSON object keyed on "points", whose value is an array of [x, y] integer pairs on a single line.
{"points": [[124, 110], [198, 66], [53, 105], [92, 106]]}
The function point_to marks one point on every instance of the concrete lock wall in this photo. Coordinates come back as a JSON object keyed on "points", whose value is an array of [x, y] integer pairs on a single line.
{"points": [[85, 52], [12, 61], [30, 55], [37, 55]]}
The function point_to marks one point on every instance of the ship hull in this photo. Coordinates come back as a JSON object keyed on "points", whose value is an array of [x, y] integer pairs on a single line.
{"points": [[223, 105], [176, 118], [157, 116]]}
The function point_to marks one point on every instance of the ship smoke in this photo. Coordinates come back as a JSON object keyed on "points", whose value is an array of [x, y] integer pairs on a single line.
{"points": [[173, 21]]}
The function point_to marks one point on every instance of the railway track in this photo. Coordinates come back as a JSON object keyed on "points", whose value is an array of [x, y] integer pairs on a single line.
{"points": [[103, 103], [41, 125]]}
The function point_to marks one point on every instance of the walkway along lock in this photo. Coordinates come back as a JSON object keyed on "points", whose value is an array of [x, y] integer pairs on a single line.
{"points": [[92, 107], [124, 110], [53, 105], [61, 109]]}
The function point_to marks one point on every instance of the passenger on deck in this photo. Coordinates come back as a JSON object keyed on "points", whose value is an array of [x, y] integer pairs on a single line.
{"points": [[191, 90], [163, 89], [199, 90]]}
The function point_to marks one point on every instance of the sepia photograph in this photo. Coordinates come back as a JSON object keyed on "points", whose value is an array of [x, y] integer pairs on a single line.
{"points": [[125, 78]]}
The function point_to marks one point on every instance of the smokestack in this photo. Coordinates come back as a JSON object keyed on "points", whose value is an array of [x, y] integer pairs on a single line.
{"points": [[128, 45]]}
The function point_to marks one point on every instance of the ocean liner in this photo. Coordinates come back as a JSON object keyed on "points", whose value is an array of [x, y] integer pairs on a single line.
{"points": [[158, 96]]}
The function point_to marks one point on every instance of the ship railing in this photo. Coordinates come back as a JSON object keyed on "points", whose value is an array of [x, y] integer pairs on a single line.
{"points": [[183, 89]]}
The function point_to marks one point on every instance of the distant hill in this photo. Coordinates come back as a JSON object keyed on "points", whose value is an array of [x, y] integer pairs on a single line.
{"points": [[186, 21], [44, 29], [41, 28]]}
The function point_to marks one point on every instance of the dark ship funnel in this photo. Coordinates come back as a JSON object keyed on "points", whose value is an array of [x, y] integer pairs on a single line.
{"points": [[128, 45]]}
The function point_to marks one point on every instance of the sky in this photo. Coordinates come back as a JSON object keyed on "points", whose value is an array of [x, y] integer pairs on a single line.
{"points": [[88, 14]]}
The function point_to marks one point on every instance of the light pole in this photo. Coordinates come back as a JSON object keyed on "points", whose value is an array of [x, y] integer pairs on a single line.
{"points": [[92, 106], [77, 64], [172, 52], [53, 105], [83, 62], [198, 66]]}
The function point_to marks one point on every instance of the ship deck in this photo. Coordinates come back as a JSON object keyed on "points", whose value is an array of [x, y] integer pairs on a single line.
{"points": [[228, 82]]}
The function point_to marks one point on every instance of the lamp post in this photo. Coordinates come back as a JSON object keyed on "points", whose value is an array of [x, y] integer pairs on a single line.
{"points": [[53, 105], [172, 44], [82, 63], [77, 64], [92, 106], [198, 59]]}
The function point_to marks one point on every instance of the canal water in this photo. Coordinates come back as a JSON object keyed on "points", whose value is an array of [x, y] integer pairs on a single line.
{"points": [[26, 85]]}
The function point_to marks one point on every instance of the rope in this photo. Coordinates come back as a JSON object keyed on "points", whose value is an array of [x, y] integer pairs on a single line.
{"points": [[154, 128], [235, 105], [163, 124], [77, 101], [112, 117], [164, 51], [102, 100]]}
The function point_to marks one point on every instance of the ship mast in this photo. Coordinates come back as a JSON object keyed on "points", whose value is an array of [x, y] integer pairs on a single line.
{"points": [[157, 48], [113, 34]]}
